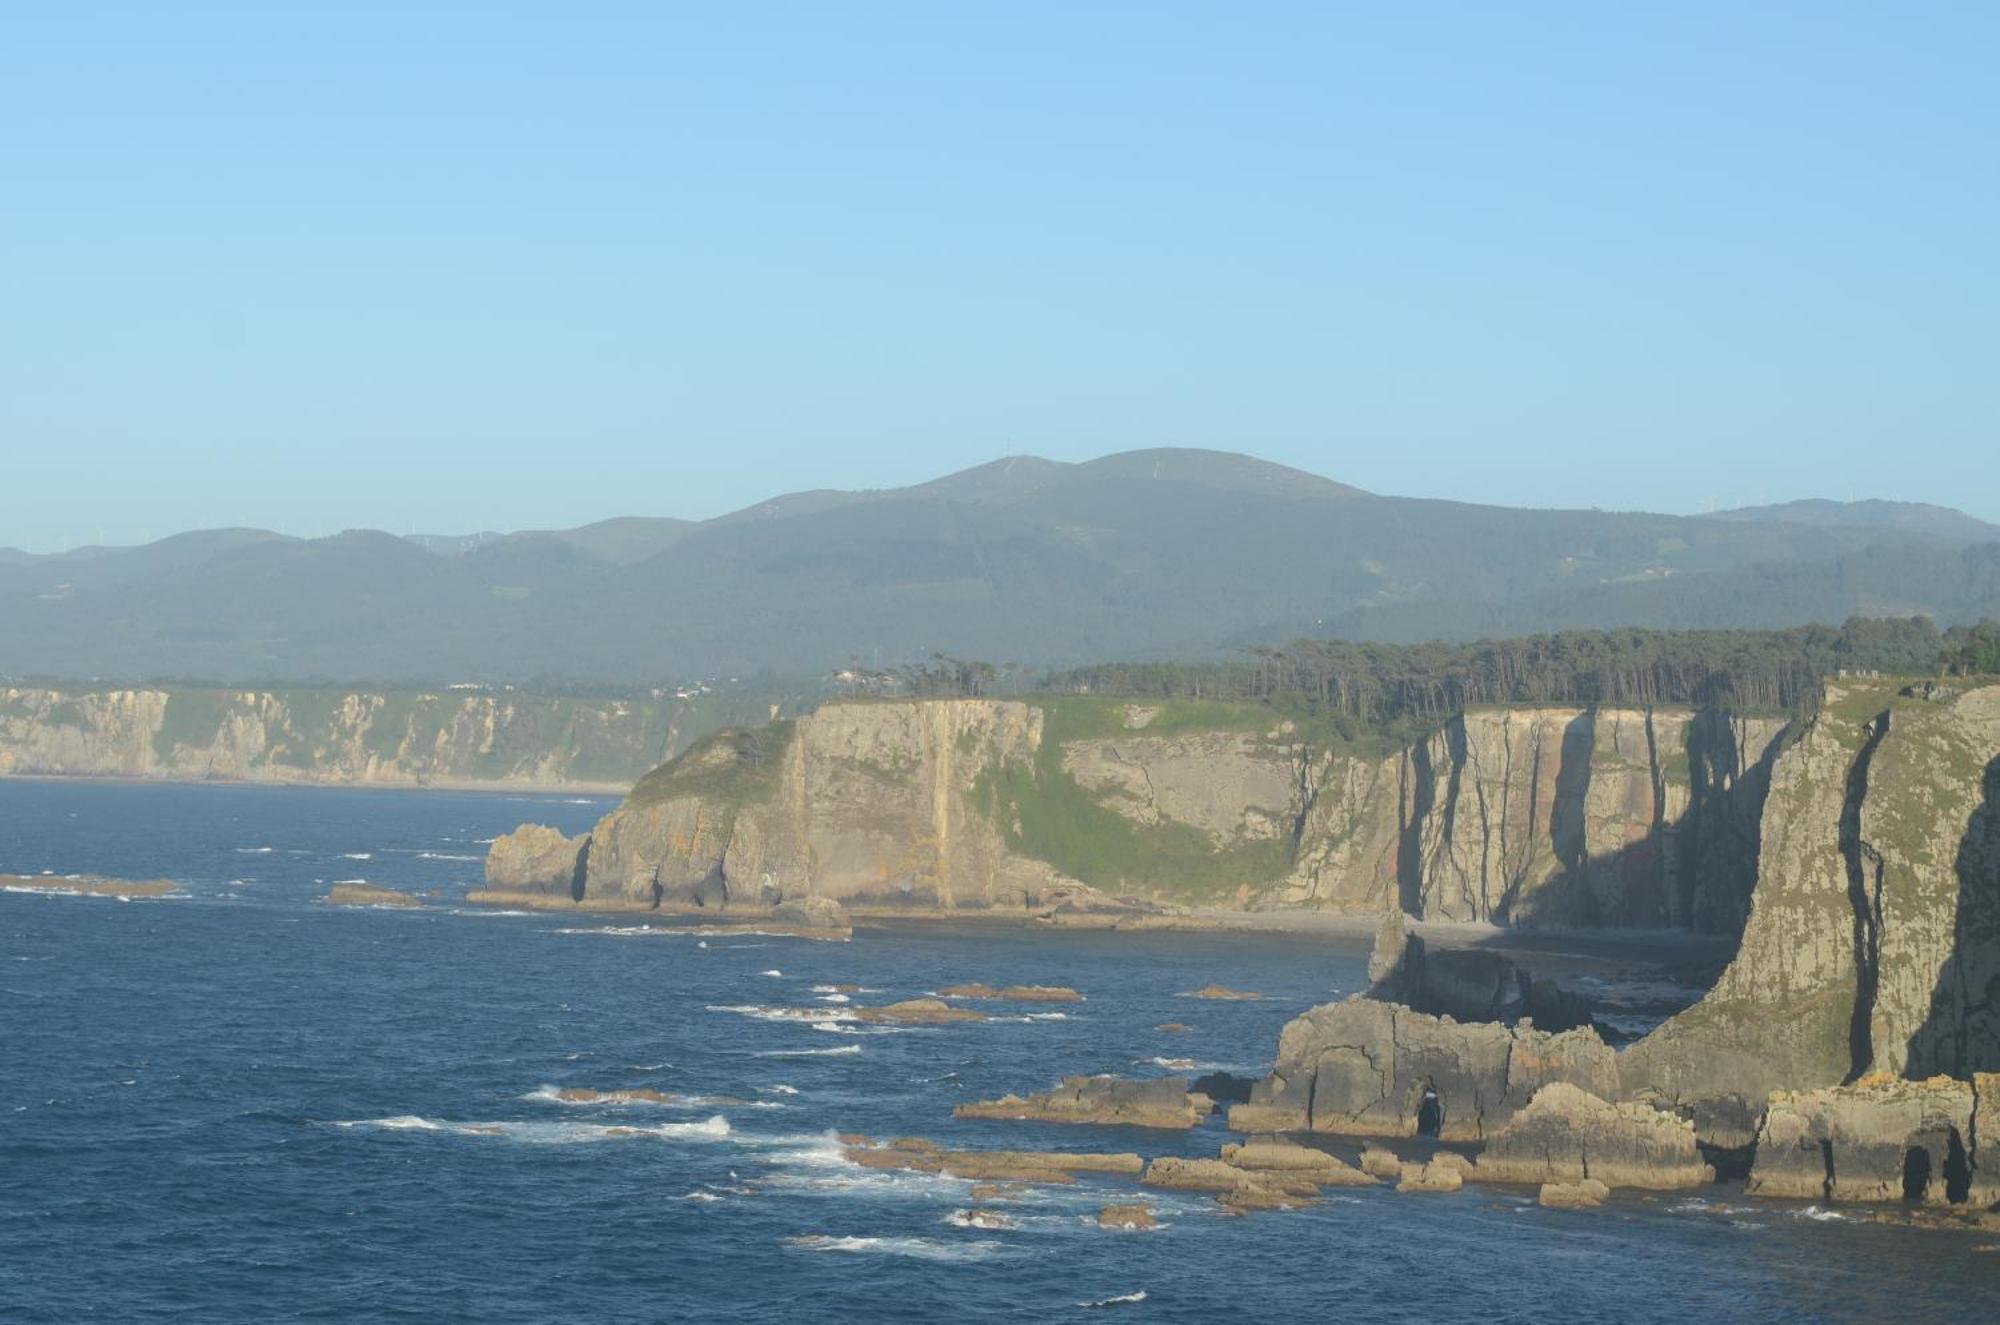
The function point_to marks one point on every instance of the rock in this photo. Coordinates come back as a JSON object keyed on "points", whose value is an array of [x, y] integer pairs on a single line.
{"points": [[820, 914], [539, 861], [1196, 1175], [1882, 1139], [1014, 993], [1174, 1027], [1380, 1163], [584, 1095], [987, 1219], [1431, 1177], [361, 894], [1160, 1102], [1261, 1196], [1584, 1194], [1224, 1087], [1127, 1216], [1300, 1161], [1366, 1068], [854, 1139], [1569, 1135], [920, 1012], [1392, 944], [1874, 944], [1223, 992], [92, 884], [1016, 1166]]}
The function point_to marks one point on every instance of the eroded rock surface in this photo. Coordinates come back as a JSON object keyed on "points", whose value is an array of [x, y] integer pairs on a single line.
{"points": [[1367, 1068], [537, 861], [1567, 1135], [1882, 1139]]}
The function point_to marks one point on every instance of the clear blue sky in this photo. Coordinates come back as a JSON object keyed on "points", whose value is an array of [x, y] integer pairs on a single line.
{"points": [[453, 266]]}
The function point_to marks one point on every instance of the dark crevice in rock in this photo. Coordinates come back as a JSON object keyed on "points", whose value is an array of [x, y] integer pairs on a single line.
{"points": [[1661, 905], [1957, 1169], [1455, 750], [1864, 895], [1419, 798], [581, 873], [1826, 1158], [1916, 1174]]}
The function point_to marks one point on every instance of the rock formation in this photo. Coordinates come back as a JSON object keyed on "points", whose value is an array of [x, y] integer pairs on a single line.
{"points": [[361, 894], [1368, 1068], [1569, 1135], [538, 861], [1874, 941], [1161, 1102], [1584, 1194], [1883, 1139], [1079, 807]]}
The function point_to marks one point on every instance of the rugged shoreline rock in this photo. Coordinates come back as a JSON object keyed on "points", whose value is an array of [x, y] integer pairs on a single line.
{"points": [[1883, 1139], [1013, 993], [89, 884], [362, 894], [1566, 1135], [1367, 1068]]}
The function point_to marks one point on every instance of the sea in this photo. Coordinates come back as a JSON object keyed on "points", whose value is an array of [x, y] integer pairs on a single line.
{"points": [[237, 1103]]}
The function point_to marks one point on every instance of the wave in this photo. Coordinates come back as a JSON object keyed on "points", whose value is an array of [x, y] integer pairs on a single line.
{"points": [[649, 1067], [1034, 1016], [1123, 1299], [255, 851], [445, 855], [357, 855], [1171, 1064], [627, 931], [701, 1196], [782, 1090], [544, 1133], [841, 1051], [835, 998], [926, 1249], [990, 1220], [758, 1012], [774, 973]]}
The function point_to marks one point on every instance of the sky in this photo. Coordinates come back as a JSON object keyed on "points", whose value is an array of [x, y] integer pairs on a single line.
{"points": [[445, 267]]}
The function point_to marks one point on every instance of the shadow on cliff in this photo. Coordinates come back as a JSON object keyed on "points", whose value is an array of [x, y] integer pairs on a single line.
{"points": [[1696, 873], [1961, 1035]]}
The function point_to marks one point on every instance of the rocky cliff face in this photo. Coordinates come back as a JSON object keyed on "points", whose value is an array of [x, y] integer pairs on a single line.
{"points": [[1545, 816], [1874, 942], [380, 737]]}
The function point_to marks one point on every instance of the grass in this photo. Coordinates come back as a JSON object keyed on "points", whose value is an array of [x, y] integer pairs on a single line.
{"points": [[733, 767], [193, 718]]}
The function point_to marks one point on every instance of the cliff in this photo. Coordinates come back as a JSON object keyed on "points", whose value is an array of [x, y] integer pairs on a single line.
{"points": [[506, 738], [1541, 816], [1873, 946]]}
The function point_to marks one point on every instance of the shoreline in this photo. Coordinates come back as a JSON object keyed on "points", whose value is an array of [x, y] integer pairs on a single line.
{"points": [[592, 789]]}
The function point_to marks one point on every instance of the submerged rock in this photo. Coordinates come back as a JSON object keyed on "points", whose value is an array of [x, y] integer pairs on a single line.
{"points": [[1583, 1194], [1137, 1215], [362, 894], [1569, 1135], [1160, 1102], [920, 1012], [1007, 1166], [1014, 993], [1265, 1156], [1366, 1068], [1224, 992]]}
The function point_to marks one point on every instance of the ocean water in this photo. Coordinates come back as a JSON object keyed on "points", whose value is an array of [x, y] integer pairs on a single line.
{"points": [[237, 1104]]}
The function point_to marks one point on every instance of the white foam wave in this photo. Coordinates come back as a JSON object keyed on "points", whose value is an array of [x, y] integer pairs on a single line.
{"points": [[650, 1067], [357, 855], [839, 1052], [701, 1196], [835, 998], [1034, 1016], [781, 1090], [338, 882], [774, 973], [1123, 1299], [991, 1220], [1819, 1215], [445, 855], [255, 851], [626, 931], [543, 1133], [757, 1011], [926, 1249]]}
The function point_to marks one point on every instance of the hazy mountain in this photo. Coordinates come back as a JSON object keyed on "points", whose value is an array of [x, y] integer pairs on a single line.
{"points": [[1149, 553], [1912, 517]]}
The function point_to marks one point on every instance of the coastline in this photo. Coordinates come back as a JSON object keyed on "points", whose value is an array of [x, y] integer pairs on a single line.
{"points": [[605, 789]]}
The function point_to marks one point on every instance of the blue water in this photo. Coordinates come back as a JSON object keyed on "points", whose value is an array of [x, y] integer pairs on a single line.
{"points": [[242, 1105]]}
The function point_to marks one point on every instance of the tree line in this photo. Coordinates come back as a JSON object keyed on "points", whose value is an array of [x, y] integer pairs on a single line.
{"points": [[1375, 685]]}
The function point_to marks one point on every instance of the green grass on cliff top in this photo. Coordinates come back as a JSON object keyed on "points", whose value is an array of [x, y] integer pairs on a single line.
{"points": [[733, 767]]}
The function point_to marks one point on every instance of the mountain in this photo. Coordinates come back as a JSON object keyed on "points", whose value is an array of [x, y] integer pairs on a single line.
{"points": [[1165, 553], [1903, 516]]}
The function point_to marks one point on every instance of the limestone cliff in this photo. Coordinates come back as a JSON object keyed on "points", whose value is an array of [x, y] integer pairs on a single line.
{"points": [[1545, 816], [1874, 942], [448, 737]]}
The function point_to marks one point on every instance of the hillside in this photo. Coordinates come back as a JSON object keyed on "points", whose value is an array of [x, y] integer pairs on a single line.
{"points": [[1183, 554]]}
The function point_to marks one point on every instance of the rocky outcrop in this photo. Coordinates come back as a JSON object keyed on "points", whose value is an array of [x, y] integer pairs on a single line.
{"points": [[1874, 942], [1468, 984], [370, 737], [1584, 1194], [1137, 1215], [1368, 1068], [1014, 993], [1164, 1102], [1573, 816], [537, 861], [914, 1154], [1076, 808], [86, 885], [919, 1012], [1882, 1139], [1567, 1135], [815, 915]]}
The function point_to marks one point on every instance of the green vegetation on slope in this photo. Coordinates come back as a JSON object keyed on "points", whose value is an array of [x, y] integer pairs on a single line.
{"points": [[733, 767]]}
